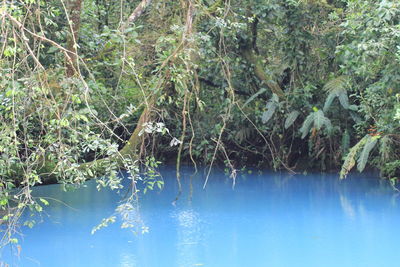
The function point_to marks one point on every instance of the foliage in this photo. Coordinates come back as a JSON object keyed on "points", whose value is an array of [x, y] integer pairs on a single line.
{"points": [[336, 88], [199, 82], [314, 122]]}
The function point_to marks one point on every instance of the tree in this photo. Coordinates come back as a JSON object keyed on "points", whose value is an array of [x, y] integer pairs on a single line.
{"points": [[92, 87]]}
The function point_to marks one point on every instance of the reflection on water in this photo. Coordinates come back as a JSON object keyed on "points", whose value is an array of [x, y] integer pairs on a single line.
{"points": [[266, 220], [188, 236], [347, 207], [127, 260]]}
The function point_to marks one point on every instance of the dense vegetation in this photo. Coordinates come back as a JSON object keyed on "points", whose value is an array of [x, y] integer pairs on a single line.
{"points": [[91, 87]]}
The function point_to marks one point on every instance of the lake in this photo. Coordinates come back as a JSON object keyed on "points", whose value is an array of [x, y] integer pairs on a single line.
{"points": [[267, 219]]}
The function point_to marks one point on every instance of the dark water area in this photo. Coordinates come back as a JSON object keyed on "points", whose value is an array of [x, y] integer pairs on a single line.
{"points": [[267, 219]]}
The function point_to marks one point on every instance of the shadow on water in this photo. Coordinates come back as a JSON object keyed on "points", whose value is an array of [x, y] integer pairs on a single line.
{"points": [[265, 220]]}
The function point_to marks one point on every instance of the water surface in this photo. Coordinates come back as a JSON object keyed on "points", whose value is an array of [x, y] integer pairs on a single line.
{"points": [[265, 220]]}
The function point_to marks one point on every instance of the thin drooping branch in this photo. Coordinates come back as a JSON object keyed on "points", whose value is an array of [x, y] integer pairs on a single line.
{"points": [[136, 13], [20, 26], [185, 41]]}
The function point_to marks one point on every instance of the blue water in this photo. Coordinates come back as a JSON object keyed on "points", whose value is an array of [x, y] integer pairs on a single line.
{"points": [[265, 220]]}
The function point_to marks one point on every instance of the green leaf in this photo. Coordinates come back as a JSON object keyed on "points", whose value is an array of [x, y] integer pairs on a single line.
{"points": [[319, 119], [267, 115], [44, 201], [355, 117], [291, 118], [305, 128], [262, 90], [271, 106], [343, 99], [329, 100], [52, 49]]}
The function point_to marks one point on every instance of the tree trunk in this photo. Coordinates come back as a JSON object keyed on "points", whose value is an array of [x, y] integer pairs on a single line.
{"points": [[74, 8]]}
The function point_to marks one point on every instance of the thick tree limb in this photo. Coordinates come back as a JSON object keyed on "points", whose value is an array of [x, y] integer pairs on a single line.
{"points": [[249, 55], [134, 145]]}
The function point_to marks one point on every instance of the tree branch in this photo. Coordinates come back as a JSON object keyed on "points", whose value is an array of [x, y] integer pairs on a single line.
{"points": [[136, 13], [249, 55]]}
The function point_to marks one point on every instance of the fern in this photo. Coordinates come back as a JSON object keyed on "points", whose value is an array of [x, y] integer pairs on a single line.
{"points": [[328, 101], [316, 119], [291, 118], [367, 143], [350, 159], [355, 117], [337, 88], [343, 99], [320, 120], [337, 84], [363, 158], [305, 128]]}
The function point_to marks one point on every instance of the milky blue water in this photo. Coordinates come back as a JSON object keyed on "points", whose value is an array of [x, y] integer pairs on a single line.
{"points": [[265, 220]]}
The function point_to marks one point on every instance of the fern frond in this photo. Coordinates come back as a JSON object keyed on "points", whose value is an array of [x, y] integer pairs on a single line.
{"points": [[355, 117], [319, 119], [337, 88], [350, 159], [305, 128], [363, 158], [243, 134], [328, 124], [329, 100], [336, 84], [343, 99], [291, 118]]}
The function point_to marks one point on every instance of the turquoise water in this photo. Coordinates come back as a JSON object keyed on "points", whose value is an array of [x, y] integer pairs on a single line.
{"points": [[265, 220]]}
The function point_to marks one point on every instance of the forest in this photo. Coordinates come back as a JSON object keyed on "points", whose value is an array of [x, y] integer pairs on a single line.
{"points": [[92, 87]]}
